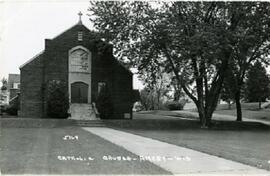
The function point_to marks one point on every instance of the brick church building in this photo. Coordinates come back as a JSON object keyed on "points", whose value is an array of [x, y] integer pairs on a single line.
{"points": [[77, 58]]}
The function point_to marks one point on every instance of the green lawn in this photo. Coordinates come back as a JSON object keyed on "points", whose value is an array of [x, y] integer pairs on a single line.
{"points": [[41, 151], [248, 147], [249, 111], [263, 114]]}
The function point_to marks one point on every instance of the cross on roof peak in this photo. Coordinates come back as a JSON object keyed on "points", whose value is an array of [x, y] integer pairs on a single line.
{"points": [[80, 17]]}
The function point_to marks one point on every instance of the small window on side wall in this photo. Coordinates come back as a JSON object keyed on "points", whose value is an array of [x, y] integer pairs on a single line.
{"points": [[80, 36]]}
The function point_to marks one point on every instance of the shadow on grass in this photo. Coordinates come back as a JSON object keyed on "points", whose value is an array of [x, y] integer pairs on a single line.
{"points": [[181, 124]]}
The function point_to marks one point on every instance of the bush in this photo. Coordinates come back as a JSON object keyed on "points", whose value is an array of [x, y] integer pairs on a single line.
{"points": [[137, 107], [104, 103], [11, 110], [14, 106], [174, 105], [57, 104]]}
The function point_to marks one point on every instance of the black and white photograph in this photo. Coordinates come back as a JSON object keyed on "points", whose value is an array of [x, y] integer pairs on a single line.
{"points": [[134, 88]]}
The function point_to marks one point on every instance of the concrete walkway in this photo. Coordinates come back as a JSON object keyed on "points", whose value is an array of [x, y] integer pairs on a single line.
{"points": [[177, 160]]}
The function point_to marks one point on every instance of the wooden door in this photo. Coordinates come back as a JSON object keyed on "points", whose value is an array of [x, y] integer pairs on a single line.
{"points": [[79, 92]]}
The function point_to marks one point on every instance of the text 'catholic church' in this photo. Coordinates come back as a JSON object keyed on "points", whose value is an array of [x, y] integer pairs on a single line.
{"points": [[80, 60]]}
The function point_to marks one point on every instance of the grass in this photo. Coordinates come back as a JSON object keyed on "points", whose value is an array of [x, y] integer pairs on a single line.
{"points": [[36, 151], [248, 143], [249, 111], [248, 147]]}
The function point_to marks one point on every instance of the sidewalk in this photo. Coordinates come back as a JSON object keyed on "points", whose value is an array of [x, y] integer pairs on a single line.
{"points": [[177, 160]]}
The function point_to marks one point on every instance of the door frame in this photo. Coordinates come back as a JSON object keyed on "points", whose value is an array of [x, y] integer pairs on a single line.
{"points": [[87, 90], [78, 76]]}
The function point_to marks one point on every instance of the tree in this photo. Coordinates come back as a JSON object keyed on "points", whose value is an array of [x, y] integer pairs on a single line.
{"points": [[193, 40], [4, 84], [226, 93], [157, 85], [252, 44], [152, 96], [147, 99], [257, 84]]}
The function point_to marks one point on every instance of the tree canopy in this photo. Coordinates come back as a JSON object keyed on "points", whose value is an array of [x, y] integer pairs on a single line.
{"points": [[257, 88], [196, 41]]}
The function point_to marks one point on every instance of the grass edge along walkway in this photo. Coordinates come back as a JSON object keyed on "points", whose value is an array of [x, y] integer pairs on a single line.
{"points": [[194, 163]]}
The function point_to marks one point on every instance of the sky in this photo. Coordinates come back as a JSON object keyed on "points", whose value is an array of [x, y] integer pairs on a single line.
{"points": [[25, 24]]}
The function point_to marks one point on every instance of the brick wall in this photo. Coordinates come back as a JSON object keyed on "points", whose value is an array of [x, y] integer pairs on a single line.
{"points": [[31, 89], [53, 65]]}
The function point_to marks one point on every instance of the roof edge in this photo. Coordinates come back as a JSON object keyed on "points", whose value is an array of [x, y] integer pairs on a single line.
{"points": [[30, 60], [122, 65], [77, 24]]}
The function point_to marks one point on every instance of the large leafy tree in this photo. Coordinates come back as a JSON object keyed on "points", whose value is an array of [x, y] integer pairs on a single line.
{"points": [[257, 86], [252, 37], [226, 93], [195, 41]]}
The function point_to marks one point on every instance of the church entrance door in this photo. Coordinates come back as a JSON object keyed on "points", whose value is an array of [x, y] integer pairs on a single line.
{"points": [[79, 92]]}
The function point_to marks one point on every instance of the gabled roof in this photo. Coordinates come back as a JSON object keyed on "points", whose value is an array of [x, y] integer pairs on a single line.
{"points": [[30, 60], [78, 24], [123, 66]]}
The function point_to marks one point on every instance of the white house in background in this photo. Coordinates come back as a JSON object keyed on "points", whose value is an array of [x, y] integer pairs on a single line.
{"points": [[4, 97], [13, 85]]}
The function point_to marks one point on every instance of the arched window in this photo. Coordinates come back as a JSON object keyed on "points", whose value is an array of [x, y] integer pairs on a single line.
{"points": [[79, 61]]}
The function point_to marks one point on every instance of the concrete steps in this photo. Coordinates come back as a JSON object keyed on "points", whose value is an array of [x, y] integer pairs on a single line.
{"points": [[82, 112]]}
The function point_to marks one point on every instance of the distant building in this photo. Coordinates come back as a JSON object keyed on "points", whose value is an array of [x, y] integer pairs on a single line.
{"points": [[13, 85], [79, 60]]}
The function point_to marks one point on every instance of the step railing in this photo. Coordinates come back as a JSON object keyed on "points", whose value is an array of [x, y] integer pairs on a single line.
{"points": [[94, 110]]}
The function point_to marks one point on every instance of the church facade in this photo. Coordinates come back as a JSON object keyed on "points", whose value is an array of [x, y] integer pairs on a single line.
{"points": [[84, 64]]}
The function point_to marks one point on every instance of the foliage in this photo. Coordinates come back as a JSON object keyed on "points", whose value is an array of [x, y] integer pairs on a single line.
{"points": [[257, 83], [175, 105], [104, 103], [137, 107], [4, 84], [147, 99], [57, 102], [14, 106], [252, 44], [227, 93], [153, 97], [11, 110], [196, 41]]}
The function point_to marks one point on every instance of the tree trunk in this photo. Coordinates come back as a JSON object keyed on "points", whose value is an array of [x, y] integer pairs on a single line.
{"points": [[238, 106], [202, 116], [229, 105], [205, 116]]}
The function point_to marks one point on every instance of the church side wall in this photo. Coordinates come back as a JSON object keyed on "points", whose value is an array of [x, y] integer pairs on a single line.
{"points": [[31, 89], [122, 91], [102, 71], [118, 79]]}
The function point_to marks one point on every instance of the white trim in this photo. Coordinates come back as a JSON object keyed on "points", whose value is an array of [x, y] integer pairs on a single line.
{"points": [[81, 79], [78, 47], [30, 60]]}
